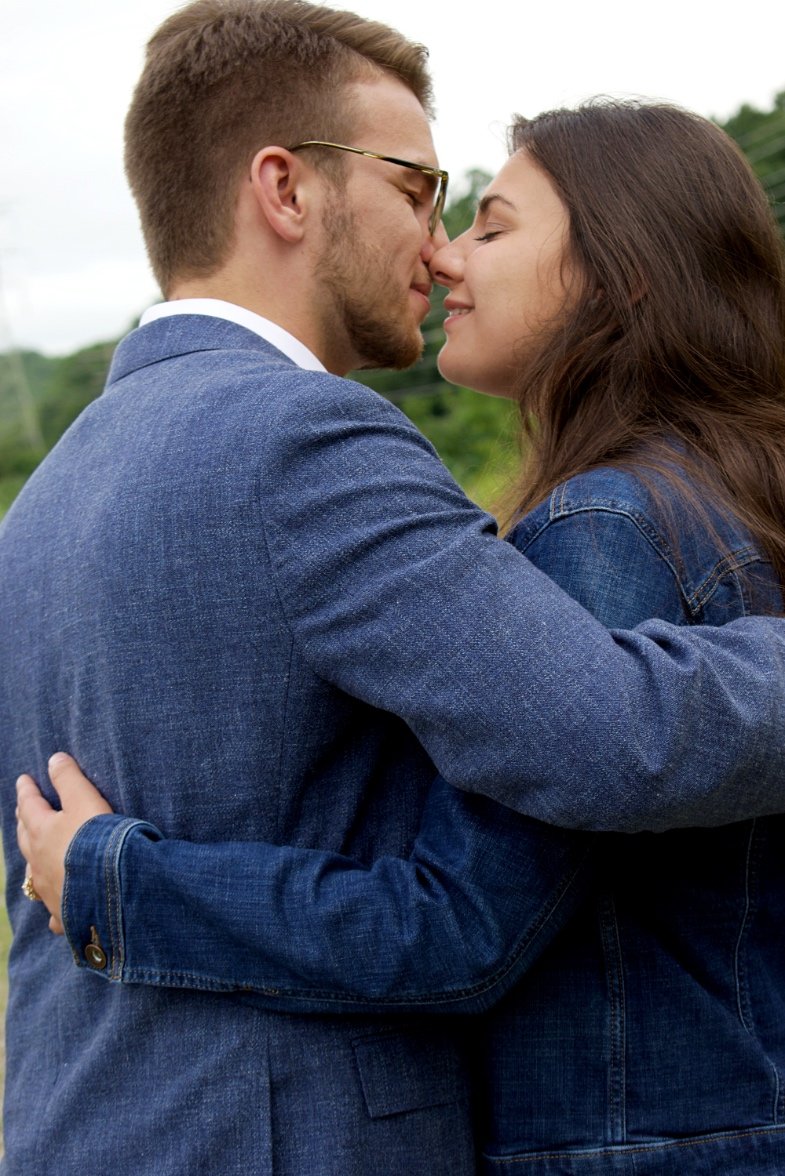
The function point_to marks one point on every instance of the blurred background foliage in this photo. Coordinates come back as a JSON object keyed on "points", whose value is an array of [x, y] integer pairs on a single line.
{"points": [[475, 435]]}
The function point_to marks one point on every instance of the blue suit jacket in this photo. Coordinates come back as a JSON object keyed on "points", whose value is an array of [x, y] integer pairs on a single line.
{"points": [[259, 585]]}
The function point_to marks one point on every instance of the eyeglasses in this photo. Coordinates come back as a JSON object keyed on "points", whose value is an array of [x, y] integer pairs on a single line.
{"points": [[441, 177]]}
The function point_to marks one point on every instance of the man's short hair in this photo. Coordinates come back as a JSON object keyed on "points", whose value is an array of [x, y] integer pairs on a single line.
{"points": [[224, 78]]}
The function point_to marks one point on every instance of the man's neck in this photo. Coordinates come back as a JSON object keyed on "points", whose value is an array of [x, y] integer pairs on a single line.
{"points": [[282, 307]]}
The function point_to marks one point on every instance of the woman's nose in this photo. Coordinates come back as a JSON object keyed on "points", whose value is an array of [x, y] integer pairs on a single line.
{"points": [[445, 264], [434, 241]]}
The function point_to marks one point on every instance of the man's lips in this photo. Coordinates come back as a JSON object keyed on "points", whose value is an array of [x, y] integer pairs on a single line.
{"points": [[422, 290]]}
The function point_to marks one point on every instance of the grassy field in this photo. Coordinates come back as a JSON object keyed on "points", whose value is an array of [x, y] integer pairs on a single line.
{"points": [[9, 488]]}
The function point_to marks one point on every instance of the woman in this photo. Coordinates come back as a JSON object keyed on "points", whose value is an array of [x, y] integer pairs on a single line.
{"points": [[624, 280]]}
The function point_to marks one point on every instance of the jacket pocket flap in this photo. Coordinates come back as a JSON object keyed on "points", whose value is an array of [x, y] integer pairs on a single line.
{"points": [[400, 1073]]}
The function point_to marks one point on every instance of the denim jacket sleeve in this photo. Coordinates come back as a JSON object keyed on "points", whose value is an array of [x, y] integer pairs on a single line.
{"points": [[454, 925]]}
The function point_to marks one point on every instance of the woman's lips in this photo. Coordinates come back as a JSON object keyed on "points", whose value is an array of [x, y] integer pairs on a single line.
{"points": [[455, 314]]}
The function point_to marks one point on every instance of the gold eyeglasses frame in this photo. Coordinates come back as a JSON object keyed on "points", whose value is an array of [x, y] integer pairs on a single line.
{"points": [[442, 177]]}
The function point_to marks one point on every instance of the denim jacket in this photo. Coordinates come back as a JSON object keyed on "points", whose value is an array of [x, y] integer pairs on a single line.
{"points": [[639, 1026], [650, 1038]]}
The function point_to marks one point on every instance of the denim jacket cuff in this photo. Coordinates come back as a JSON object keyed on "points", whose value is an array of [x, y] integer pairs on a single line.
{"points": [[91, 908]]}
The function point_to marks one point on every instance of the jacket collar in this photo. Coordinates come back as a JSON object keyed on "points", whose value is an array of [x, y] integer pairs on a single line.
{"points": [[184, 334]]}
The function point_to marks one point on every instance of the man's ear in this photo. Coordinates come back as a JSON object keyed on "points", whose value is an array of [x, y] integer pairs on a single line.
{"points": [[278, 184]]}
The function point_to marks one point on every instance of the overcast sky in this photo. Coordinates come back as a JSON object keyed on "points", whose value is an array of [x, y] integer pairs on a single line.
{"points": [[72, 264]]}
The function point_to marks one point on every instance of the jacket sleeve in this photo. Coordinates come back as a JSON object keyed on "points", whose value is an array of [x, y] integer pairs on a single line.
{"points": [[398, 592], [596, 728], [451, 928]]}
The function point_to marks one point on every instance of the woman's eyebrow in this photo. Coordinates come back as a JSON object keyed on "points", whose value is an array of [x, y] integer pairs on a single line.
{"points": [[489, 199]]}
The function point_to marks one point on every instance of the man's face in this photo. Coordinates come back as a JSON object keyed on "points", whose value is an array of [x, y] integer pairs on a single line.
{"points": [[372, 277]]}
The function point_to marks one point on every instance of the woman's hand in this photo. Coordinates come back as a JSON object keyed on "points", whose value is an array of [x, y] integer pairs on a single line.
{"points": [[44, 833]]}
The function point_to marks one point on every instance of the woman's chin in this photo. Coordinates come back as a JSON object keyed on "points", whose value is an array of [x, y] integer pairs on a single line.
{"points": [[467, 376], [452, 370]]}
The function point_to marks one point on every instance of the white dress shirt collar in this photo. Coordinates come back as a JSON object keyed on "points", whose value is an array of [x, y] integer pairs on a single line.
{"points": [[216, 308]]}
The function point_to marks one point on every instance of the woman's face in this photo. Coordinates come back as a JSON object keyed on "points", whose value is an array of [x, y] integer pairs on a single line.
{"points": [[508, 277]]}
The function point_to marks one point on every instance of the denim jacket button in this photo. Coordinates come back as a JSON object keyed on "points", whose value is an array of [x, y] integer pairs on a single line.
{"points": [[95, 956]]}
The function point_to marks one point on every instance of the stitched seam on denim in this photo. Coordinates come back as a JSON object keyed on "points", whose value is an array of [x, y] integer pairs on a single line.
{"points": [[176, 979], [611, 948], [615, 506], [78, 960], [64, 906], [632, 1149], [743, 995], [114, 905], [730, 563], [696, 598], [111, 855], [109, 902], [639, 521], [110, 897]]}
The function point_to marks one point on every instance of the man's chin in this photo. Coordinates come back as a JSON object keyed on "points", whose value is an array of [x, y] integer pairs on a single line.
{"points": [[394, 355]]}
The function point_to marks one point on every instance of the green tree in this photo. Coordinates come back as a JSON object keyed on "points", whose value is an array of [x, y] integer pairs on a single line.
{"points": [[75, 381], [39, 398], [24, 378], [761, 136]]}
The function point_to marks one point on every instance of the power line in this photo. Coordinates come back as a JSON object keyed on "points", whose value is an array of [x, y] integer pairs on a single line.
{"points": [[16, 378]]}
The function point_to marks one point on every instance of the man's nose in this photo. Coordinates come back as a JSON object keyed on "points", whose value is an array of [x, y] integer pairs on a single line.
{"points": [[433, 242]]}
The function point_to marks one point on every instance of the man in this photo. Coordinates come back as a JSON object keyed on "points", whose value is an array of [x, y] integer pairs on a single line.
{"points": [[245, 576]]}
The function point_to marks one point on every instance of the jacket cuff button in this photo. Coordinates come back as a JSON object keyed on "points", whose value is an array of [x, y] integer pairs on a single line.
{"points": [[95, 956]]}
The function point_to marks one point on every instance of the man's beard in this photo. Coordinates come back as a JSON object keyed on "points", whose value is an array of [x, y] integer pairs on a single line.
{"points": [[358, 285]]}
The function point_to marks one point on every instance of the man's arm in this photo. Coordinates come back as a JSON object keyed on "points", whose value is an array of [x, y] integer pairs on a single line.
{"points": [[397, 591]]}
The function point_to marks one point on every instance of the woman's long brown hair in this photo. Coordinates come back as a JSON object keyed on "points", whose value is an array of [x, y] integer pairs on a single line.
{"points": [[670, 354]]}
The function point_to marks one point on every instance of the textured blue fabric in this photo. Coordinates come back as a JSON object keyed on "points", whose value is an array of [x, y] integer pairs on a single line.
{"points": [[260, 586], [307, 929], [649, 1037]]}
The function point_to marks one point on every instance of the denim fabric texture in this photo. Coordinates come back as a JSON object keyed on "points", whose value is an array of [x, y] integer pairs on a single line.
{"points": [[649, 1038], [246, 597], [309, 929]]}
